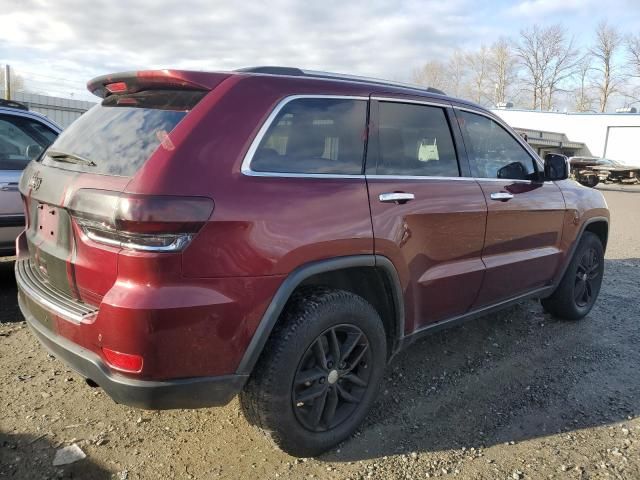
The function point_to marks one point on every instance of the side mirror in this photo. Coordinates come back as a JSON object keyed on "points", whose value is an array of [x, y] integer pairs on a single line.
{"points": [[556, 167]]}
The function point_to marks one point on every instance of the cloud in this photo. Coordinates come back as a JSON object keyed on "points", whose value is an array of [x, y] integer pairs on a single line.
{"points": [[78, 39], [57, 45], [543, 8]]}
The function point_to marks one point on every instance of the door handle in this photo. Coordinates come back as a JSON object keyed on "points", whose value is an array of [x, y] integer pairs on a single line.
{"points": [[9, 187], [396, 197], [501, 196]]}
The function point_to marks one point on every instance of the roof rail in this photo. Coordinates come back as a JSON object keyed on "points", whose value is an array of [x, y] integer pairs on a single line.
{"points": [[13, 104], [297, 72]]}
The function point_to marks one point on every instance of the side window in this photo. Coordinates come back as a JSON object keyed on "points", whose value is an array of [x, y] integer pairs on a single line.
{"points": [[492, 151], [315, 135], [21, 140], [415, 140]]}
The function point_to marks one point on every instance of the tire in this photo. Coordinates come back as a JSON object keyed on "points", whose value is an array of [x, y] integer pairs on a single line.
{"points": [[277, 396], [578, 290], [590, 181]]}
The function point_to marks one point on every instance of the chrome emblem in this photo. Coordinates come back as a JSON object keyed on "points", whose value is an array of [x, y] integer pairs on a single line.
{"points": [[35, 181]]}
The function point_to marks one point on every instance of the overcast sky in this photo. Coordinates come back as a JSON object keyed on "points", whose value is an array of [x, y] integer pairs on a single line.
{"points": [[57, 45]]}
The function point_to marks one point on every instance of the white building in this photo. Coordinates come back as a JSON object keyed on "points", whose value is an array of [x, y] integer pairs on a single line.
{"points": [[615, 136]]}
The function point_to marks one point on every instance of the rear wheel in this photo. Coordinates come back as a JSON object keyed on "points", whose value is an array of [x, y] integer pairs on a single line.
{"points": [[319, 373], [579, 288]]}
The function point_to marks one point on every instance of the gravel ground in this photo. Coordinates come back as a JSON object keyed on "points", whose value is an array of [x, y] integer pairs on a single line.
{"points": [[517, 395]]}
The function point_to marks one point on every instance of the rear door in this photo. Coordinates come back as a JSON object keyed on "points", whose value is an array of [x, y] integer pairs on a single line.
{"points": [[525, 217], [427, 219]]}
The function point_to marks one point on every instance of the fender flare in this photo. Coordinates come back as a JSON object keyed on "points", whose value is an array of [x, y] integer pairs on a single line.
{"points": [[295, 278], [573, 248]]}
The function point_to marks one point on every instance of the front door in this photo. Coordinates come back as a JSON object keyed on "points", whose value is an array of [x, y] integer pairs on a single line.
{"points": [[427, 219], [522, 248]]}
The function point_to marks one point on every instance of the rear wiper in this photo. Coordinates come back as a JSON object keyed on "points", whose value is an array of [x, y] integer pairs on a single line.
{"points": [[70, 158]]}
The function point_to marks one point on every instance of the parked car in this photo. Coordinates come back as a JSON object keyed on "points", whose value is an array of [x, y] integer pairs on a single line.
{"points": [[589, 171], [282, 234], [23, 136]]}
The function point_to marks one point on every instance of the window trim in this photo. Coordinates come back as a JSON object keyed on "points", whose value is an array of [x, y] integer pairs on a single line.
{"points": [[526, 147], [245, 167]]}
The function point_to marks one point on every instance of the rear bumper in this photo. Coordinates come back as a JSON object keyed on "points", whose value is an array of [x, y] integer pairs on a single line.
{"points": [[195, 392]]}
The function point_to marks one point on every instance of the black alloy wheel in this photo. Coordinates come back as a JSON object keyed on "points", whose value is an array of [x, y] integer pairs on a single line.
{"points": [[332, 378], [587, 273]]}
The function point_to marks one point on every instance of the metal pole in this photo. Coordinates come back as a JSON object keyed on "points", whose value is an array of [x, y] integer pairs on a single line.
{"points": [[7, 82]]}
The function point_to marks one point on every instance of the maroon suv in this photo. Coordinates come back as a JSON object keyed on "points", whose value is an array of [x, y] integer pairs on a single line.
{"points": [[281, 234]]}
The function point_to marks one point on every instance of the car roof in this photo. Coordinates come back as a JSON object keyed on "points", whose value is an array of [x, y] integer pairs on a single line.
{"points": [[33, 115], [388, 85]]}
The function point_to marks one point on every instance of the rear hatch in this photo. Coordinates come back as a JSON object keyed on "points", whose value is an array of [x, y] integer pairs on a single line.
{"points": [[78, 218]]}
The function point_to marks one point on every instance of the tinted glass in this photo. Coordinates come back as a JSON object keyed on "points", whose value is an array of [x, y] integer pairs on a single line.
{"points": [[415, 140], [21, 140], [492, 151], [122, 132], [314, 135]]}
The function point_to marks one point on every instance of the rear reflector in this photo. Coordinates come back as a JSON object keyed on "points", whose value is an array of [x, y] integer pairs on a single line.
{"points": [[125, 362]]}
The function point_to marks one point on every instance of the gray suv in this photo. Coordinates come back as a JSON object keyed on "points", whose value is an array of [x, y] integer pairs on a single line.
{"points": [[23, 136]]}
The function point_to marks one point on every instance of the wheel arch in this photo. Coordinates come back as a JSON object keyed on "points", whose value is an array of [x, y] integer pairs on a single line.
{"points": [[351, 273], [597, 225]]}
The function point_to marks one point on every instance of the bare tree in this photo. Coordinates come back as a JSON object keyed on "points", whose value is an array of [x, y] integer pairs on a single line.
{"points": [[457, 73], [478, 67], [633, 47], [530, 51], [432, 74], [564, 58], [547, 58], [502, 69], [583, 95], [607, 44]]}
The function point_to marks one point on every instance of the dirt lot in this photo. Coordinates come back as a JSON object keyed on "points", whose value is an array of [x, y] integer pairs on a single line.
{"points": [[514, 395]]}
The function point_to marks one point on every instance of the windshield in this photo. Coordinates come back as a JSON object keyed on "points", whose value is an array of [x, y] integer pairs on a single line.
{"points": [[117, 136]]}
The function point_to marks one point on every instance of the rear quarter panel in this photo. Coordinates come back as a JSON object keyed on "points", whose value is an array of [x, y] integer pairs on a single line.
{"points": [[260, 225]]}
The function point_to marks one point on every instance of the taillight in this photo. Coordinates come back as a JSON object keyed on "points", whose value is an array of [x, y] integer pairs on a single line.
{"points": [[139, 222], [125, 362]]}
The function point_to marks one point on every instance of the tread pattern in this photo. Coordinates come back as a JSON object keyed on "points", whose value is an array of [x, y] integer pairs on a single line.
{"points": [[259, 397], [561, 303]]}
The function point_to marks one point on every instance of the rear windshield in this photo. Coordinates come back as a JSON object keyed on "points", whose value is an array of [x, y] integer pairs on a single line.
{"points": [[118, 135]]}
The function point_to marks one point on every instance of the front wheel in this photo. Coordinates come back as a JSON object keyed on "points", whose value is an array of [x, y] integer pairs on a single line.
{"points": [[319, 372], [578, 290]]}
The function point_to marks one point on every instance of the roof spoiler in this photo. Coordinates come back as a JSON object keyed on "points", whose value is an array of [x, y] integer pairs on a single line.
{"points": [[131, 82]]}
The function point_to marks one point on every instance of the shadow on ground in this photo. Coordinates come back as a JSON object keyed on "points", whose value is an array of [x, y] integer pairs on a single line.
{"points": [[512, 376], [9, 311], [31, 457]]}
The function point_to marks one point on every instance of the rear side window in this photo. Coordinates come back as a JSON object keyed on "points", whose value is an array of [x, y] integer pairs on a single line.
{"points": [[315, 136], [21, 140], [118, 135], [493, 152], [415, 140]]}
